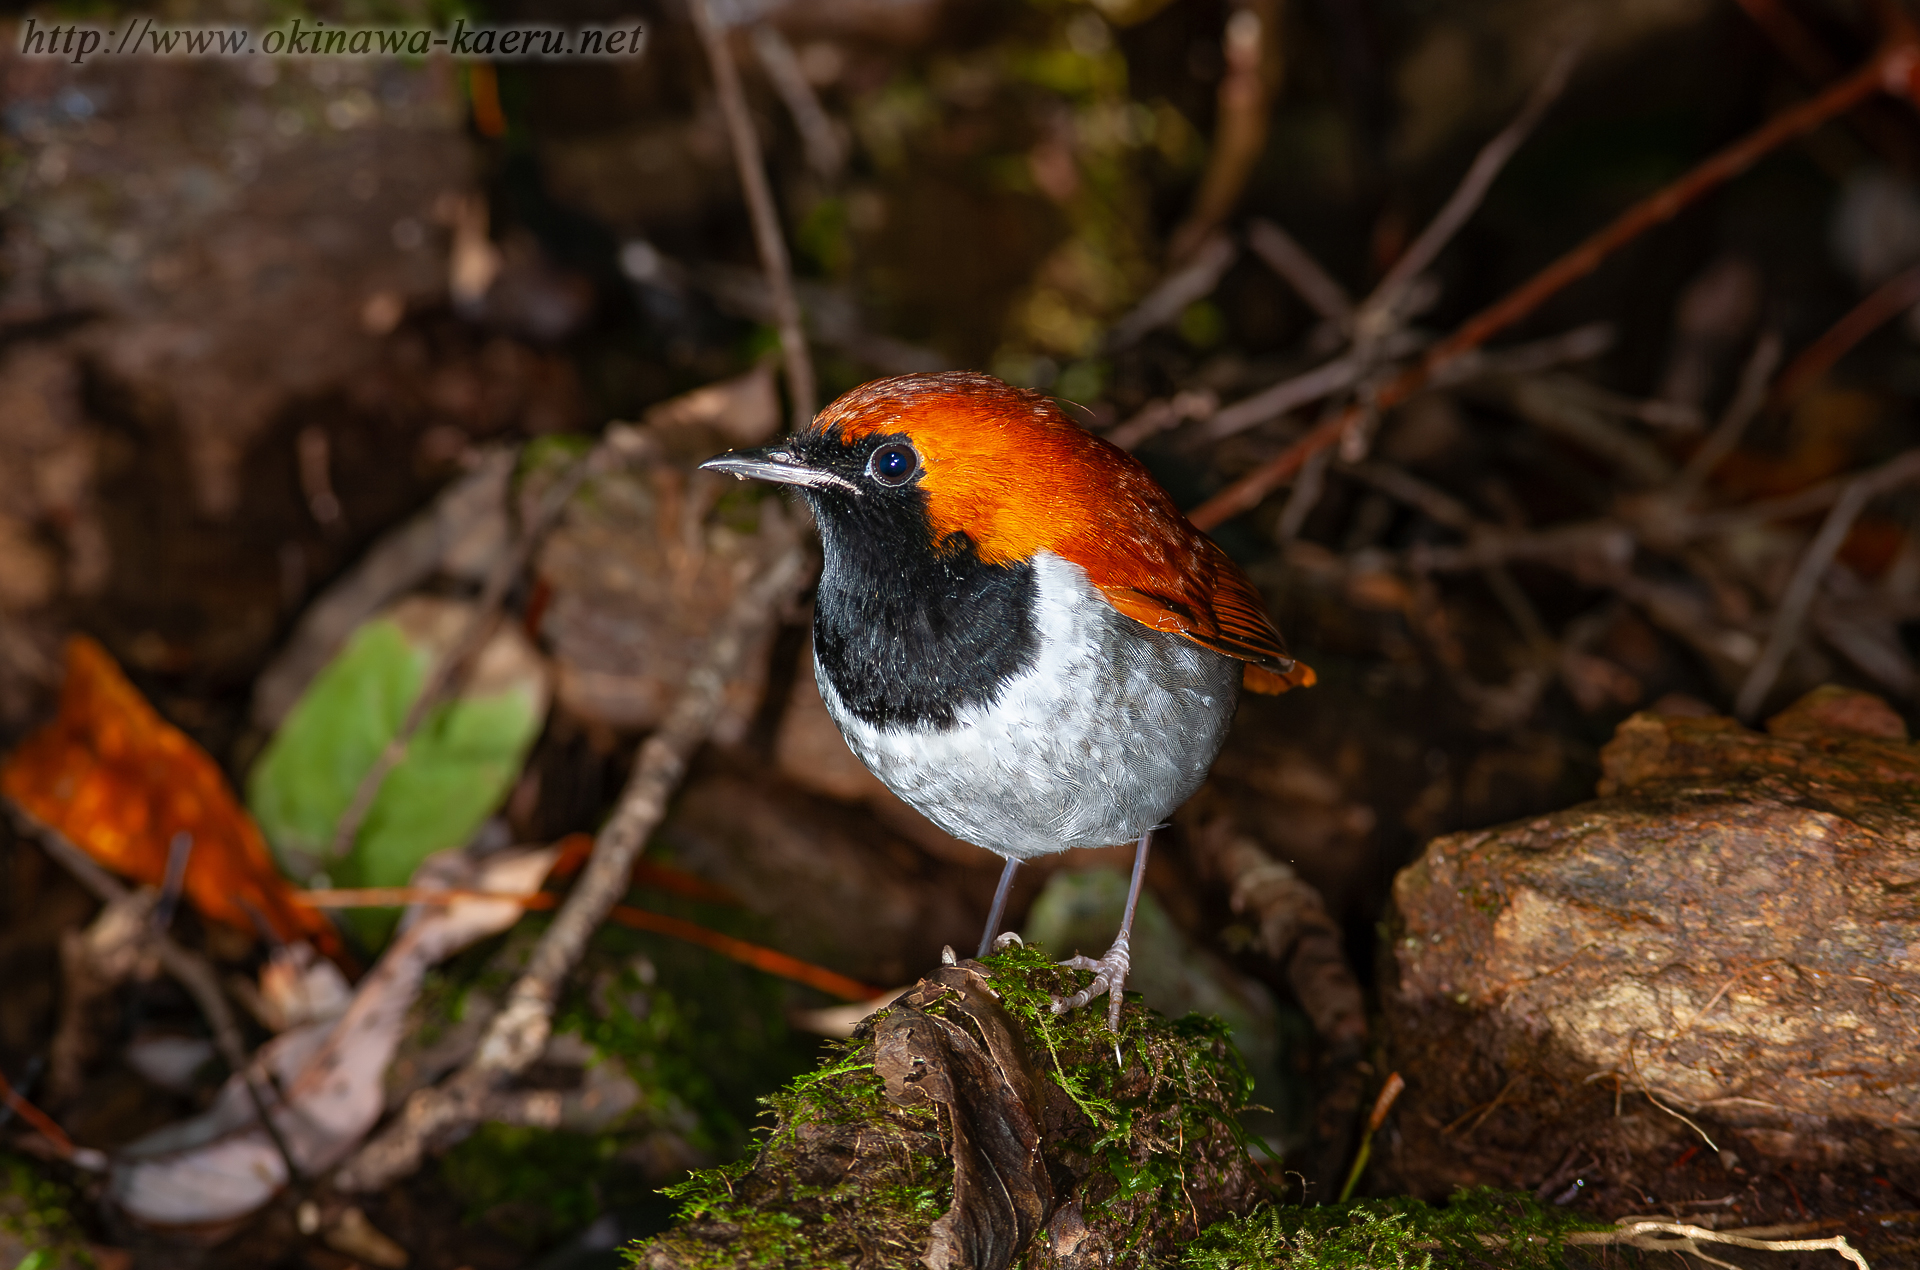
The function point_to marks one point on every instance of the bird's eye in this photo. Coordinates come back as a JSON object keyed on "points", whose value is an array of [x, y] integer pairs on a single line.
{"points": [[893, 463]]}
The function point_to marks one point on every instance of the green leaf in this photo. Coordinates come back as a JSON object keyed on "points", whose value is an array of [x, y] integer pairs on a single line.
{"points": [[457, 769]]}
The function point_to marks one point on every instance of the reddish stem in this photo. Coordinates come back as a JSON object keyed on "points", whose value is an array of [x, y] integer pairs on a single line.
{"points": [[1892, 298], [1893, 70], [39, 1119]]}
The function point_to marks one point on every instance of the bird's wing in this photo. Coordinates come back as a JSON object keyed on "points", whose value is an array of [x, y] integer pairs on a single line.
{"points": [[1201, 594]]}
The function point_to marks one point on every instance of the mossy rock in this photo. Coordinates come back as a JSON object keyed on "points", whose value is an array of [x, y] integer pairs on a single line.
{"points": [[1078, 1146]]}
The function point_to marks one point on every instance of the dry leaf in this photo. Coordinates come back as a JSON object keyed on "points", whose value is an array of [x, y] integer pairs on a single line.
{"points": [[120, 782]]}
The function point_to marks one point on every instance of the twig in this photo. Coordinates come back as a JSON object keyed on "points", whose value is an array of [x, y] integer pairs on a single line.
{"points": [[1748, 399], [766, 219], [826, 151], [1381, 1105], [1193, 280], [1890, 70], [191, 970], [42, 1123], [1270, 403], [1888, 301], [1682, 1237], [760, 957], [1379, 311], [1792, 612], [1157, 416], [1439, 506], [446, 673], [1323, 294], [518, 1033], [1251, 43], [770, 960]]}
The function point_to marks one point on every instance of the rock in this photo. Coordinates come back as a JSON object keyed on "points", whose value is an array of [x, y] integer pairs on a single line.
{"points": [[1728, 934]]}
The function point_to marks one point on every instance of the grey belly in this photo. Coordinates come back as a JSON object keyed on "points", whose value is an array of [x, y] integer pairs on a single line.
{"points": [[1095, 745]]}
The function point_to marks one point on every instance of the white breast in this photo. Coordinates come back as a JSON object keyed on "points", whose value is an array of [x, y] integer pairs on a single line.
{"points": [[1111, 728]]}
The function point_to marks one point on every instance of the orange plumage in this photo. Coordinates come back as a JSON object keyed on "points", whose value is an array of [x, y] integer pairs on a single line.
{"points": [[1005, 467]]}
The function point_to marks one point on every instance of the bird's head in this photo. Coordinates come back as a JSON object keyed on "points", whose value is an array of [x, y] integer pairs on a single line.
{"points": [[956, 453], [960, 464]]}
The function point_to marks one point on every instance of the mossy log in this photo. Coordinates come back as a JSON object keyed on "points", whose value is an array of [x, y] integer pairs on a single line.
{"points": [[968, 1126]]}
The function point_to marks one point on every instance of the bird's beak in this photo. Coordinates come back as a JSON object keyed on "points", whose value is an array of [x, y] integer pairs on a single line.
{"points": [[776, 463]]}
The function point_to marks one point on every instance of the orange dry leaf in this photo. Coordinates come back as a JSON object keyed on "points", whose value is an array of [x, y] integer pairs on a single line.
{"points": [[120, 782]]}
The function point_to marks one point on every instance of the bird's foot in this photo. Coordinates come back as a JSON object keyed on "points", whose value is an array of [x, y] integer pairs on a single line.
{"points": [[1007, 939], [1109, 978]]}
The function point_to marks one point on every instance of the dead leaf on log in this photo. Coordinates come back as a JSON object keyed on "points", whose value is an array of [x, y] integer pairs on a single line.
{"points": [[987, 1087]]}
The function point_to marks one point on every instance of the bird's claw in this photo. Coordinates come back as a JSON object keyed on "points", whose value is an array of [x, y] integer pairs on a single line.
{"points": [[1007, 939], [1109, 978]]}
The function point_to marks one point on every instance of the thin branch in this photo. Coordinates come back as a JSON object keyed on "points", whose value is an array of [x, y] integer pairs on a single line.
{"points": [[1792, 613], [518, 1033], [447, 673], [760, 957], [767, 236], [1891, 71], [193, 972], [1194, 280], [1888, 301], [1380, 308], [826, 149], [1323, 380], [1748, 399], [1681, 1237], [1286, 257]]}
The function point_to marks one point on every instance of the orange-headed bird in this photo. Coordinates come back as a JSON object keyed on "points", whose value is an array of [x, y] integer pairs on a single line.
{"points": [[1016, 629]]}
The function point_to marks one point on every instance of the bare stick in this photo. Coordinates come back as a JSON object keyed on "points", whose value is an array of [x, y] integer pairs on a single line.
{"points": [[1270, 403], [766, 219], [826, 151], [1392, 291], [1440, 507], [1748, 399], [1666, 1236], [1893, 70], [1194, 280], [447, 672], [1303, 273], [192, 971], [1860, 491], [518, 1033], [1888, 301]]}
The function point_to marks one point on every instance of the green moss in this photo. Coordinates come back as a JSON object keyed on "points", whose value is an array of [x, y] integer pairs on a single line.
{"points": [[37, 1230], [1512, 1228], [1141, 1133], [531, 1185]]}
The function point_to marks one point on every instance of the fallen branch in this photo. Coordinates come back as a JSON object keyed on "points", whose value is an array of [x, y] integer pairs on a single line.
{"points": [[518, 1033], [1892, 70]]}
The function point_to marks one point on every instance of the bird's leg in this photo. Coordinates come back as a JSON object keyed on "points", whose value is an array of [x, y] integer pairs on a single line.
{"points": [[999, 905], [1110, 972]]}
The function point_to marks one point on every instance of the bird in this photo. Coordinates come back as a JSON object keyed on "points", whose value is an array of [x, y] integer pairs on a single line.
{"points": [[1015, 628]]}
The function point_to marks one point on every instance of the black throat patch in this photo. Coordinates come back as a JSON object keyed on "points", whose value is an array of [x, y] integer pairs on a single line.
{"points": [[909, 632]]}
